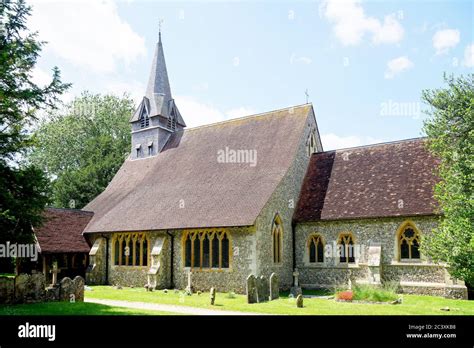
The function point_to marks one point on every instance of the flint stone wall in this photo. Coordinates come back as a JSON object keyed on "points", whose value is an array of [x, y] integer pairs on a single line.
{"points": [[412, 277], [30, 288]]}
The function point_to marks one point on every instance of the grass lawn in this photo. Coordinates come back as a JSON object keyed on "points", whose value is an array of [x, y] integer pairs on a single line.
{"points": [[412, 304], [78, 308]]}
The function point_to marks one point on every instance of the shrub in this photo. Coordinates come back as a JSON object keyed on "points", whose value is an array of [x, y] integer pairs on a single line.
{"points": [[345, 295], [364, 292]]}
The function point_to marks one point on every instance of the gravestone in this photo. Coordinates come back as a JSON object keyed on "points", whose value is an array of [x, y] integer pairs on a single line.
{"points": [[299, 301], [251, 288], [296, 288], [262, 289], [21, 287], [79, 283], [213, 296], [189, 287], [66, 288], [274, 287], [37, 287]]}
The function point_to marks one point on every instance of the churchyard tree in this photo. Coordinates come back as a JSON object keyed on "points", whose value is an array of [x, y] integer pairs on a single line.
{"points": [[23, 193], [450, 130], [82, 146]]}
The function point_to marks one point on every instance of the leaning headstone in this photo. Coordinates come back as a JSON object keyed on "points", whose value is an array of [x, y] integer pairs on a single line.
{"points": [[251, 288], [79, 283], [213, 296], [299, 301], [274, 287], [66, 288]]}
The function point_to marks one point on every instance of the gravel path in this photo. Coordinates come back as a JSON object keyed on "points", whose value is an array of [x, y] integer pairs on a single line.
{"points": [[166, 308]]}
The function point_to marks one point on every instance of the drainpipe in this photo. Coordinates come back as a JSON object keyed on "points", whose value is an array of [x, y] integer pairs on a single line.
{"points": [[171, 261], [293, 232], [106, 259]]}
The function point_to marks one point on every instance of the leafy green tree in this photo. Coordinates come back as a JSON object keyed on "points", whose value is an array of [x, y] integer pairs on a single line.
{"points": [[450, 131], [23, 187], [82, 147]]}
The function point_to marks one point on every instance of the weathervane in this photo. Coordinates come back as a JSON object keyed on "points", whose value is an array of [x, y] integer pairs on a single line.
{"points": [[307, 95], [160, 22]]}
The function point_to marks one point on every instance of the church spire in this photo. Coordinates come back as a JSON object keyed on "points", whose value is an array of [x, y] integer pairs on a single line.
{"points": [[157, 113]]}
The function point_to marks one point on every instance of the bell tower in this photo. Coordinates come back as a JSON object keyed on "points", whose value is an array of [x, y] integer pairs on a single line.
{"points": [[157, 116]]}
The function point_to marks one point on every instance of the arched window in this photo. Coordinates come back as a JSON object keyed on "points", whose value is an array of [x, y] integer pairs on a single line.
{"points": [[188, 248], [116, 252], [346, 241], [136, 251], [196, 251], [215, 251], [172, 120], [144, 119], [206, 249], [409, 242], [123, 258], [145, 252], [225, 251], [311, 143], [316, 248], [130, 249], [277, 238]]}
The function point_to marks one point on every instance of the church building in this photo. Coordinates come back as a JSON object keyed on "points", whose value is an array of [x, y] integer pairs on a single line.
{"points": [[258, 195]]}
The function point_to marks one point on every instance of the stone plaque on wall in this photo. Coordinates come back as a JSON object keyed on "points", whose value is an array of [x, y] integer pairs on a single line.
{"points": [[375, 252]]}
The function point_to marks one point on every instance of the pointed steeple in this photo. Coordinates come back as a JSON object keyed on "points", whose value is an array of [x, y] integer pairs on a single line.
{"points": [[158, 98], [157, 116]]}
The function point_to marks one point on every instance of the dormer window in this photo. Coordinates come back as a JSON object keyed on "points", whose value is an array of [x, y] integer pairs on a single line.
{"points": [[145, 119], [172, 120], [150, 148], [138, 148]]}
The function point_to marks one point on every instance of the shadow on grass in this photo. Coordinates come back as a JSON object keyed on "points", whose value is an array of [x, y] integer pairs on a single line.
{"points": [[67, 308]]}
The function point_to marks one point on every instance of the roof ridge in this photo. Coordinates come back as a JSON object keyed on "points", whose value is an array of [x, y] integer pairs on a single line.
{"points": [[261, 114], [373, 145], [80, 211]]}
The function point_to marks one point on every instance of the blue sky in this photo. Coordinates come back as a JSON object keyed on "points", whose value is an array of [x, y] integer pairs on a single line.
{"points": [[364, 63]]}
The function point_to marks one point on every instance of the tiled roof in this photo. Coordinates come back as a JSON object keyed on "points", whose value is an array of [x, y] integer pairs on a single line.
{"points": [[185, 185], [384, 180], [62, 231]]}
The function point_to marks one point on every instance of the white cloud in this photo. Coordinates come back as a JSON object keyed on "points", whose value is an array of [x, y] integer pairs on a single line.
{"points": [[351, 23], [295, 59], [135, 89], [88, 34], [240, 112], [40, 77], [196, 113], [469, 56], [444, 40], [332, 141], [397, 65]]}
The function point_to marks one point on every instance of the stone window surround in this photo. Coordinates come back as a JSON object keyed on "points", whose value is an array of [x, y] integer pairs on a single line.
{"points": [[212, 232], [277, 232], [307, 252], [127, 237], [397, 253], [354, 242]]}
